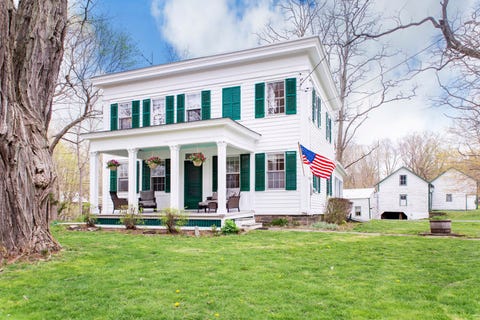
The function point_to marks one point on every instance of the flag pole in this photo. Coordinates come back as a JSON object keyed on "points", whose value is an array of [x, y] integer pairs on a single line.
{"points": [[301, 158]]}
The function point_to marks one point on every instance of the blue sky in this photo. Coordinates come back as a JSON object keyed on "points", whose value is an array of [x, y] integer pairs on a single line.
{"points": [[203, 27]]}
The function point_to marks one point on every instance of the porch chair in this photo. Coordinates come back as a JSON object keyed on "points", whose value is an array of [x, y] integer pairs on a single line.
{"points": [[118, 203], [147, 200], [210, 203], [233, 202]]}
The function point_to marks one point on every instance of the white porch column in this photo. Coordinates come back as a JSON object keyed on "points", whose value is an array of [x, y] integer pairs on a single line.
{"points": [[94, 182], [222, 176], [132, 178], [175, 176], [252, 181]]}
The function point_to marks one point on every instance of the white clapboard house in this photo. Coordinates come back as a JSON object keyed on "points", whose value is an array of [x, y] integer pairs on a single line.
{"points": [[454, 190], [403, 195], [245, 111]]}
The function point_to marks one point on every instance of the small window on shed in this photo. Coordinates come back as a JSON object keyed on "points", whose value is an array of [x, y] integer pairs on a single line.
{"points": [[403, 179], [358, 211], [449, 197]]}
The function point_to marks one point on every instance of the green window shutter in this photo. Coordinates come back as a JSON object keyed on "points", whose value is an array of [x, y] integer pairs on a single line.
{"points": [[135, 114], [291, 170], [329, 129], [146, 113], [206, 103], [214, 173], [180, 108], [291, 96], [314, 109], [314, 183], [326, 126], [329, 186], [245, 172], [319, 112], [114, 117], [138, 176], [231, 107], [113, 181], [260, 100], [260, 172], [169, 112], [167, 175], [145, 176]]}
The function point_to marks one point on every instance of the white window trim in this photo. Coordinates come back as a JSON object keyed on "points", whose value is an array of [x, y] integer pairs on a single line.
{"points": [[268, 171], [152, 175], [237, 158], [152, 120], [123, 164], [190, 108], [120, 106], [275, 114]]}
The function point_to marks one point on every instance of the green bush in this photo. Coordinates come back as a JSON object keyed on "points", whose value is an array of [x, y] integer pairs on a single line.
{"points": [[230, 227], [279, 222], [338, 210], [325, 226], [173, 219], [90, 219], [131, 217]]}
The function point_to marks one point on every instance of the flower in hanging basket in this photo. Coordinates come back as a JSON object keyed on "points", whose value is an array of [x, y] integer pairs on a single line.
{"points": [[153, 161], [113, 164], [197, 158]]}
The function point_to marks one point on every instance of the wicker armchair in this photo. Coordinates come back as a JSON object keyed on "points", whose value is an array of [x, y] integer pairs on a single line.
{"points": [[233, 202], [147, 200], [118, 203]]}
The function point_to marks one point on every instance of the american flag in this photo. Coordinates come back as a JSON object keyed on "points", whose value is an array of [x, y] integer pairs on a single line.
{"points": [[319, 165]]}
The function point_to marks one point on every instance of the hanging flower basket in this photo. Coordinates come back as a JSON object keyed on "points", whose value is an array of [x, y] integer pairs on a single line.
{"points": [[153, 162], [113, 164], [198, 159]]}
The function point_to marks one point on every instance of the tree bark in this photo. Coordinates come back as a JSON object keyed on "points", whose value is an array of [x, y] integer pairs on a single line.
{"points": [[31, 49]]}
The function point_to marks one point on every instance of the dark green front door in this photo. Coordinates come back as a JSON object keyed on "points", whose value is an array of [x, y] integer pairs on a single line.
{"points": [[193, 185]]}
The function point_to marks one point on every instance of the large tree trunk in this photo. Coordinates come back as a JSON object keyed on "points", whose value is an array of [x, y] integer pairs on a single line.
{"points": [[31, 48]]}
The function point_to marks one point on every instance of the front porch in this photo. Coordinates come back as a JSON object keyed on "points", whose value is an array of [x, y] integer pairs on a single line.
{"points": [[194, 219], [180, 184]]}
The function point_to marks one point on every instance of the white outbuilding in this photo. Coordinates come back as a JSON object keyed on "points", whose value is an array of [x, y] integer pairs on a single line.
{"points": [[363, 201], [454, 190]]}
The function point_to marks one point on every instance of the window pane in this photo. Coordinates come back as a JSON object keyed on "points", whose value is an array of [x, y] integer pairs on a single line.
{"points": [[122, 185], [276, 180], [158, 111], [124, 116], [233, 164], [159, 171], [194, 115], [158, 183], [276, 97], [233, 180]]}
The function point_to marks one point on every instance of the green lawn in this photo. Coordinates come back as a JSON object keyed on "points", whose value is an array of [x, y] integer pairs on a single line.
{"points": [[259, 275], [463, 215]]}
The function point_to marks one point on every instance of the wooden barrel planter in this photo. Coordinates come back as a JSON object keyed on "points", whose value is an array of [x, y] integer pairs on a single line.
{"points": [[441, 226]]}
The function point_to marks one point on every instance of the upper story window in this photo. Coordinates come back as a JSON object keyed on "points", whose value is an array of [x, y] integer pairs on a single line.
{"points": [[158, 111], [125, 115], [276, 97], [122, 177], [316, 109], [276, 170], [193, 106], [403, 179], [233, 172], [158, 177]]}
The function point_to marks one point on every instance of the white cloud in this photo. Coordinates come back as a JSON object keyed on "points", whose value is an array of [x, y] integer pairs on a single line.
{"points": [[214, 26]]}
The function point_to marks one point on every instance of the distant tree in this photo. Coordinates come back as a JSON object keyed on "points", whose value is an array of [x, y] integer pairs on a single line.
{"points": [[352, 58], [31, 49]]}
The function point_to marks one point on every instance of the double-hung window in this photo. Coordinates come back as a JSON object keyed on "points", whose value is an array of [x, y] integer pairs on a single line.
{"points": [[122, 177], [448, 197], [158, 111], [276, 97], [358, 211], [403, 200], [233, 172], [125, 115], [276, 170], [158, 177], [193, 106], [403, 179]]}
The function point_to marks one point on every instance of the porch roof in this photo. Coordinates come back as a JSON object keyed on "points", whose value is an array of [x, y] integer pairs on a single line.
{"points": [[183, 134]]}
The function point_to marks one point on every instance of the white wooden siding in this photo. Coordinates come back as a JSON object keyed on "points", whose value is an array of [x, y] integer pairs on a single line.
{"points": [[462, 188]]}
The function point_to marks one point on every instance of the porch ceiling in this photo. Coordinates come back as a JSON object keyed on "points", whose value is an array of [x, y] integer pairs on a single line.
{"points": [[198, 134]]}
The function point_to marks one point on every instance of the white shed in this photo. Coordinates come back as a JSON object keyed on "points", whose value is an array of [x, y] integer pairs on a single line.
{"points": [[454, 190], [403, 195], [362, 203]]}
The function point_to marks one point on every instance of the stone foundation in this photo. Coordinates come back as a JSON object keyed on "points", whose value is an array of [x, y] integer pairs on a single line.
{"points": [[303, 220]]}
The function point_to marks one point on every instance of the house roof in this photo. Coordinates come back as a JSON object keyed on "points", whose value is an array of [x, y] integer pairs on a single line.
{"points": [[361, 193], [391, 174], [450, 169], [311, 46]]}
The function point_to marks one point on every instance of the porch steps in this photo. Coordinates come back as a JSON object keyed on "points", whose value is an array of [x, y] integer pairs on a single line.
{"points": [[248, 223]]}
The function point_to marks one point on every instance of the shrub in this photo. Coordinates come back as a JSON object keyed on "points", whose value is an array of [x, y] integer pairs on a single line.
{"points": [[230, 227], [131, 218], [90, 219], [173, 219], [338, 210], [280, 222], [325, 226], [215, 231]]}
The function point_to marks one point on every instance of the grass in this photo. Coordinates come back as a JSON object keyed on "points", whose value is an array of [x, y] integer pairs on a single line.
{"points": [[260, 275], [463, 215]]}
